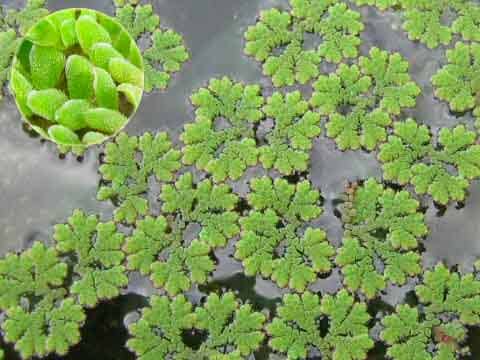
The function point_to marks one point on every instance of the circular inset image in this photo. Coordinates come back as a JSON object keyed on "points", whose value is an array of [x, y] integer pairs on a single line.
{"points": [[77, 77]]}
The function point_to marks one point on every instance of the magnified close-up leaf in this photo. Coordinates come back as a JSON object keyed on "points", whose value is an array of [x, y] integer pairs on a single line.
{"points": [[76, 77]]}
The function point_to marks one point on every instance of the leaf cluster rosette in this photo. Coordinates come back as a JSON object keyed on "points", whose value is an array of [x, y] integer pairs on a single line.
{"points": [[434, 23], [381, 225], [224, 150], [40, 316], [296, 327], [458, 82], [361, 100], [450, 304], [167, 51], [278, 39], [443, 171], [273, 242], [77, 77], [158, 246], [233, 331]]}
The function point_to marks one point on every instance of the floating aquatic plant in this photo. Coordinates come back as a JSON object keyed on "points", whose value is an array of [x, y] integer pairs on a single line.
{"points": [[224, 151], [296, 327], [233, 330], [443, 171], [361, 100], [96, 251], [77, 77], [334, 23], [278, 211], [40, 317], [167, 52], [450, 304], [125, 180], [458, 82], [434, 22], [380, 225]]}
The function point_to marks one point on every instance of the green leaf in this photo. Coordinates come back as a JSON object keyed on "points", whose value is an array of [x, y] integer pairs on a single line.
{"points": [[96, 250], [158, 332], [425, 25], [467, 23], [150, 237], [409, 143], [293, 203], [47, 328], [137, 20], [63, 135], [8, 43], [105, 120], [294, 328], [47, 65], [70, 114], [45, 103], [183, 266], [80, 77], [340, 33], [393, 84], [272, 30], [309, 14], [33, 273], [167, 52], [454, 82], [21, 87], [68, 33], [106, 95], [294, 64], [381, 4], [292, 137], [132, 93], [44, 33], [102, 53], [93, 138], [211, 206], [123, 71], [381, 225], [232, 328], [235, 102], [155, 79], [89, 32]]}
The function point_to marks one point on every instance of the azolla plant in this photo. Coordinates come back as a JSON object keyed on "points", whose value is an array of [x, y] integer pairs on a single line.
{"points": [[77, 77]]}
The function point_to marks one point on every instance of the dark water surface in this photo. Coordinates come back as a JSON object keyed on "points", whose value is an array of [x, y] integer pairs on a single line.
{"points": [[39, 189]]}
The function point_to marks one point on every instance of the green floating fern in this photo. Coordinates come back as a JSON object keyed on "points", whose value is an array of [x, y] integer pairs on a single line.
{"points": [[426, 20], [361, 100], [458, 82], [157, 246], [289, 142], [167, 52], [77, 77], [450, 304], [225, 153], [125, 180], [39, 316], [295, 329], [96, 251], [380, 225], [334, 23], [233, 330], [443, 171], [278, 211]]}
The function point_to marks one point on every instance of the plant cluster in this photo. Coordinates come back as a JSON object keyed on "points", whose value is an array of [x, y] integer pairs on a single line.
{"points": [[381, 226], [458, 82], [167, 51], [443, 169], [278, 39], [361, 100], [77, 76], [429, 21], [439, 328]]}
